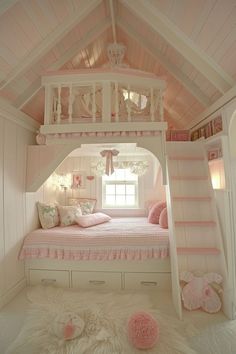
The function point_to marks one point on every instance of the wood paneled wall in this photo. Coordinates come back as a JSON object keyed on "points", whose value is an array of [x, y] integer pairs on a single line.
{"points": [[150, 185], [13, 142]]}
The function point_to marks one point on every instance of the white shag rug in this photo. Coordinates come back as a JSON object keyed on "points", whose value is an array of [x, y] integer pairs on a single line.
{"points": [[105, 316]]}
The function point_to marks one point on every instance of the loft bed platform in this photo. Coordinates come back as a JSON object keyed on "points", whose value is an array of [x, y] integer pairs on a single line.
{"points": [[101, 96], [97, 106]]}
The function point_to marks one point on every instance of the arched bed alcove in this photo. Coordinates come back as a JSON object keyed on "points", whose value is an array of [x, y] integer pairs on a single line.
{"points": [[44, 159], [134, 272]]}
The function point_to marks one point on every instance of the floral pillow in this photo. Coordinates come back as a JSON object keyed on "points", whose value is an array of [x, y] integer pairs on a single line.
{"points": [[68, 214], [48, 215], [87, 205]]}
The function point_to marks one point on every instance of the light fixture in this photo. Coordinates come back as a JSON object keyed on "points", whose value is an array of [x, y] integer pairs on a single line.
{"points": [[62, 180], [138, 168]]}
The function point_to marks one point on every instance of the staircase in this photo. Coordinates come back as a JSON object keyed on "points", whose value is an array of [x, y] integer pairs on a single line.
{"points": [[195, 236]]}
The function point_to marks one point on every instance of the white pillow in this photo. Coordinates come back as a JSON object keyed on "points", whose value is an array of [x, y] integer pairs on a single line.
{"points": [[92, 219]]}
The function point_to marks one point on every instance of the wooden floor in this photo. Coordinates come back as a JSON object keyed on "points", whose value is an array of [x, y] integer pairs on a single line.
{"points": [[197, 323]]}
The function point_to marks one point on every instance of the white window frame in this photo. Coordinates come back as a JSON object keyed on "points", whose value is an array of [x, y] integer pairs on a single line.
{"points": [[134, 183]]}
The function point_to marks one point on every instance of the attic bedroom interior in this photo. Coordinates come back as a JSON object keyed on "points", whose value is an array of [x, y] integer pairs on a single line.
{"points": [[117, 176]]}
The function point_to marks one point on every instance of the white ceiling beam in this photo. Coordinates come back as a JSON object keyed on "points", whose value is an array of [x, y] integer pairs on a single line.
{"points": [[50, 41], [5, 5], [90, 36], [26, 96], [170, 67], [176, 118], [113, 21], [182, 44], [70, 53]]}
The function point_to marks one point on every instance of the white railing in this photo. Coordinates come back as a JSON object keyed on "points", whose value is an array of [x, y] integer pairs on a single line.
{"points": [[102, 96]]}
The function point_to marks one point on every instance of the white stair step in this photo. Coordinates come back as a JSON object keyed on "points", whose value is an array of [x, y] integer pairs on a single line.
{"points": [[197, 251], [186, 158], [190, 178], [191, 199], [195, 223]]}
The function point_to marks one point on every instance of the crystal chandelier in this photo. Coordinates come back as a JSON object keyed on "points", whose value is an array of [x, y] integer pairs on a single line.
{"points": [[116, 53]]}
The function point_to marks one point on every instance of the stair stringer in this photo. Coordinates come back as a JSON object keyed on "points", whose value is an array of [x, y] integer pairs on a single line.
{"points": [[208, 256], [175, 282]]}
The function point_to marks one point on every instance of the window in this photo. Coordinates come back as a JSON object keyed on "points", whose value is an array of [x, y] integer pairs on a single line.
{"points": [[120, 190], [138, 99]]}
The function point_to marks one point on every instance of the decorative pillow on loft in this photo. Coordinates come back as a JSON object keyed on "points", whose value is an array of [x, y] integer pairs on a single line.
{"points": [[48, 215], [155, 212], [68, 214], [87, 205], [92, 219], [163, 219]]}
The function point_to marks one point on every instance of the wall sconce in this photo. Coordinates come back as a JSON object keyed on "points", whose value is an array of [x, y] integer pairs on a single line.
{"points": [[63, 181], [217, 173]]}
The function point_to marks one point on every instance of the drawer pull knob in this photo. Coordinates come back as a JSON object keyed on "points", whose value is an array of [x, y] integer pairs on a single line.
{"points": [[48, 281], [97, 282], [148, 283]]}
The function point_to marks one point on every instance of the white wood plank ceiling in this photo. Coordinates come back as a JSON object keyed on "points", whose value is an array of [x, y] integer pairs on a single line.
{"points": [[189, 43]]}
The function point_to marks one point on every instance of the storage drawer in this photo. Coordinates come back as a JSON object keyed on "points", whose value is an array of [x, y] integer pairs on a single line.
{"points": [[49, 277], [96, 280], [160, 281]]}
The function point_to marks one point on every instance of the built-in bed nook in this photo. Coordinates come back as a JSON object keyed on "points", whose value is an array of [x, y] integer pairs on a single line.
{"points": [[103, 148]]}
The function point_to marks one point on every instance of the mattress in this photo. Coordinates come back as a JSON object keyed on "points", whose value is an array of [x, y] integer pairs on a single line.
{"points": [[120, 238]]}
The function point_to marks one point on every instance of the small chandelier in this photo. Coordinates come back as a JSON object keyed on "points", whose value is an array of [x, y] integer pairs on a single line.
{"points": [[116, 53]]}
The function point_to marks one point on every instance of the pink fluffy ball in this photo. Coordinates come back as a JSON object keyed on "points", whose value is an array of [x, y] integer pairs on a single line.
{"points": [[143, 330]]}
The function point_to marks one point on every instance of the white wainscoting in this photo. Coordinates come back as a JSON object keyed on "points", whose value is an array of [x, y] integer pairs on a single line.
{"points": [[14, 139]]}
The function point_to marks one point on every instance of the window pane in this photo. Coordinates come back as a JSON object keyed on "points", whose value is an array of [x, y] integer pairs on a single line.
{"points": [[120, 200], [130, 189], [130, 176], [110, 199], [110, 189], [120, 189], [130, 199], [120, 174]]}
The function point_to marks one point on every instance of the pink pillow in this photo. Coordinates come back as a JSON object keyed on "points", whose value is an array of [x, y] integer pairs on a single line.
{"points": [[92, 219], [155, 212], [163, 220]]}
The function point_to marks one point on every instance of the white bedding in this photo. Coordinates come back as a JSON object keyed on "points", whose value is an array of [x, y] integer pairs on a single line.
{"points": [[120, 238]]}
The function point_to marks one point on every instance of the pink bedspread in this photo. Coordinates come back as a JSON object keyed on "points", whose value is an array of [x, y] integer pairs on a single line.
{"points": [[120, 238]]}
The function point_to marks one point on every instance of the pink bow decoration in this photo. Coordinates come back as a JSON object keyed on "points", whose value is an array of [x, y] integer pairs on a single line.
{"points": [[109, 160]]}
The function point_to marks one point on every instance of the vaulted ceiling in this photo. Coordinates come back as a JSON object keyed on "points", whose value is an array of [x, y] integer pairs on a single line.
{"points": [[189, 43]]}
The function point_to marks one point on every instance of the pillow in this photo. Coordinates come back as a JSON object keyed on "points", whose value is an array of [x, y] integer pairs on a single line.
{"points": [[48, 215], [163, 220], [92, 219], [155, 211], [87, 205], [68, 214]]}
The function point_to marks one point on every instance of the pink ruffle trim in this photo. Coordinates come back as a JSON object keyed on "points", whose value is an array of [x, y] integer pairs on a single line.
{"points": [[101, 255]]}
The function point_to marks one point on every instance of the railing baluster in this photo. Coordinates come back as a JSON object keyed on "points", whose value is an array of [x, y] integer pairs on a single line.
{"points": [[152, 104], [59, 105], [70, 105], [48, 105], [94, 103], [116, 102], [129, 105], [161, 110]]}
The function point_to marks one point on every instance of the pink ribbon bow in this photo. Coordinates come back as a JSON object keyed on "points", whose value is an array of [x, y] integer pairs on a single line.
{"points": [[109, 160]]}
